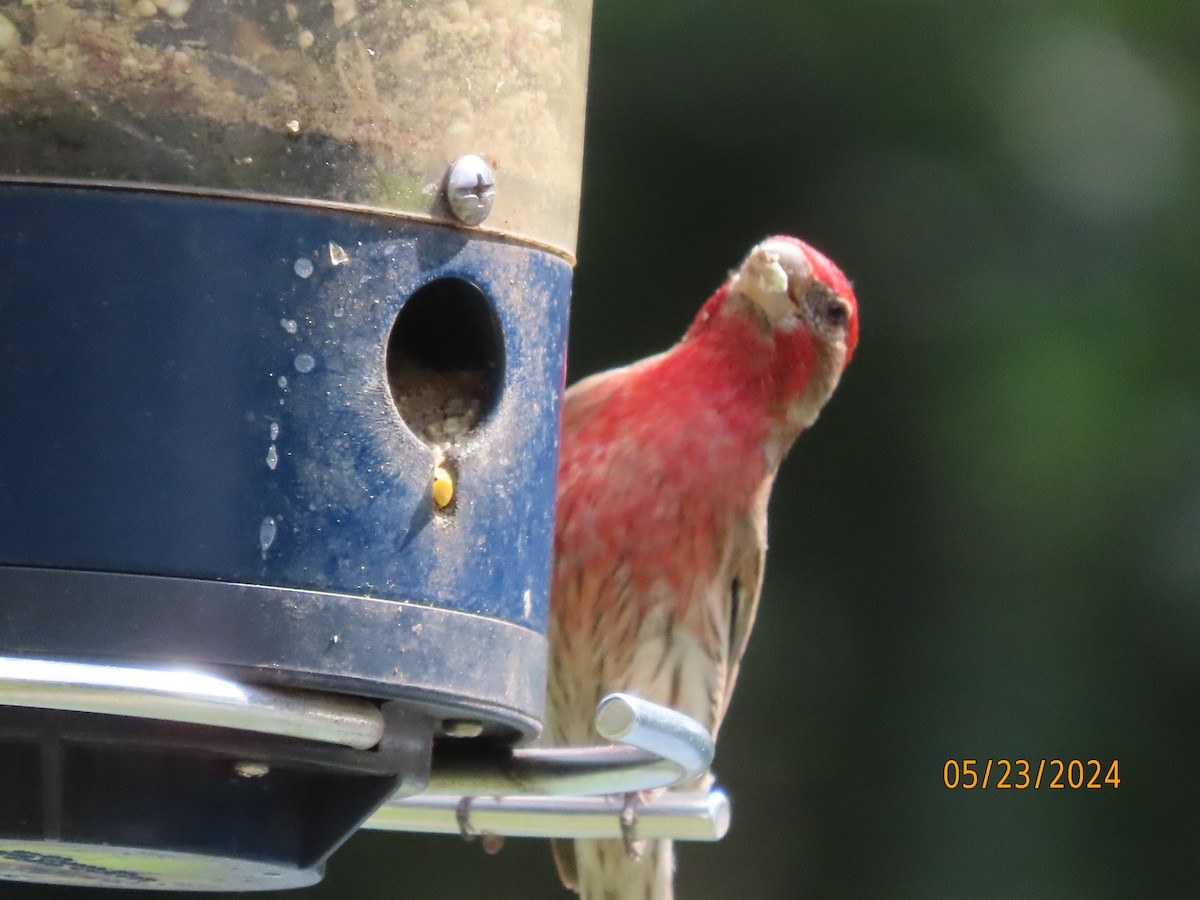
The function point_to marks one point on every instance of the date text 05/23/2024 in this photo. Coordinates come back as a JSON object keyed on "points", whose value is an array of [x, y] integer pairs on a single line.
{"points": [[1024, 774]]}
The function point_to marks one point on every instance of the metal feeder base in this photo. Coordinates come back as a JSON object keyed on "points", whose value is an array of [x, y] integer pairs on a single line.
{"points": [[135, 802]]}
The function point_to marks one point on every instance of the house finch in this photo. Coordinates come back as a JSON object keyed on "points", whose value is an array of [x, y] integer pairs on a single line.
{"points": [[664, 472]]}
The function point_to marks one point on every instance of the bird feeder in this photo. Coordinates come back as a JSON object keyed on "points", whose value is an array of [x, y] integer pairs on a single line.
{"points": [[283, 296]]}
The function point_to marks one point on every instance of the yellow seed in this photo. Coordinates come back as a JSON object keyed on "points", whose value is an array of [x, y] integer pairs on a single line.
{"points": [[443, 488]]}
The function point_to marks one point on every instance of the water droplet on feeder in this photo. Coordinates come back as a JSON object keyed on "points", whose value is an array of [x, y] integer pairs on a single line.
{"points": [[303, 267], [304, 363], [337, 255], [272, 458], [274, 431], [288, 325], [283, 382], [266, 534], [339, 312]]}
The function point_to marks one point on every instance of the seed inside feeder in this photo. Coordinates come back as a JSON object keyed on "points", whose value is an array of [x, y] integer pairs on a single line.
{"points": [[439, 407]]}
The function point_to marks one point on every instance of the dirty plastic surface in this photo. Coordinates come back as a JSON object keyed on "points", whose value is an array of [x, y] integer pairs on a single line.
{"points": [[363, 102]]}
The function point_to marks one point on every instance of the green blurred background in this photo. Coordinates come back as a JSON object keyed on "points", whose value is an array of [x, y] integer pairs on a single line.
{"points": [[989, 546]]}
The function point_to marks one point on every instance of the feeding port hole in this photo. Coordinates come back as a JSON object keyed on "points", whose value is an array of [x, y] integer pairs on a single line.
{"points": [[445, 360]]}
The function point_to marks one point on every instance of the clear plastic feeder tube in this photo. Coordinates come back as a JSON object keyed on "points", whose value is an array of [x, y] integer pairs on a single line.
{"points": [[358, 102]]}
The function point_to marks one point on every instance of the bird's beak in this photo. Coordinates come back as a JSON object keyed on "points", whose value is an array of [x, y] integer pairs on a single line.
{"points": [[763, 278]]}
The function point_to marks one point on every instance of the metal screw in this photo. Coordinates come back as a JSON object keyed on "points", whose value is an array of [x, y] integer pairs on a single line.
{"points": [[470, 189], [462, 728]]}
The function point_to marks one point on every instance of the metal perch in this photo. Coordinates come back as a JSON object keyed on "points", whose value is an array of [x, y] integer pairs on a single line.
{"points": [[691, 816], [659, 747]]}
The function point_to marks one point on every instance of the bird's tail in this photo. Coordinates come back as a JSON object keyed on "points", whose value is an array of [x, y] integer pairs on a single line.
{"points": [[602, 870]]}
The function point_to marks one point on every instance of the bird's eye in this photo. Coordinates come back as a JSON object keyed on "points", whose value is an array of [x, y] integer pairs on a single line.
{"points": [[837, 313]]}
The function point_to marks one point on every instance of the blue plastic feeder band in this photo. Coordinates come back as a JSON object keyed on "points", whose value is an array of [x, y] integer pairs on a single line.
{"points": [[205, 456]]}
